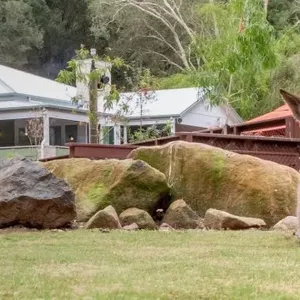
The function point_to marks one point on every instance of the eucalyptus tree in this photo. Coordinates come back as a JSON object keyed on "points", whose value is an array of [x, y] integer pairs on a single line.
{"points": [[156, 32]]}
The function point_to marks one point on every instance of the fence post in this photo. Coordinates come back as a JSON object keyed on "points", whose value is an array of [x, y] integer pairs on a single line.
{"points": [[236, 130], [189, 138], [292, 129], [182, 137], [72, 151]]}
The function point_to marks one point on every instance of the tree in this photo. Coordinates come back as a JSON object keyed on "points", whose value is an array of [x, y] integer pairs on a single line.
{"points": [[283, 13], [75, 73], [65, 24], [35, 134], [140, 83], [19, 33], [162, 30], [238, 54], [34, 131]]}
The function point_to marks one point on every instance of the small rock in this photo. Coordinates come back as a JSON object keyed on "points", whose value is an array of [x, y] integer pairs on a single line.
{"points": [[166, 227], [218, 219], [131, 227], [289, 223], [104, 230], [180, 216], [106, 219], [138, 216]]}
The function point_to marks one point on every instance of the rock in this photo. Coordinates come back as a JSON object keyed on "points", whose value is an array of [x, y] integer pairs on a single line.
{"points": [[138, 216], [180, 216], [289, 223], [131, 227], [217, 219], [105, 219], [206, 176], [120, 183], [33, 197], [166, 227]]}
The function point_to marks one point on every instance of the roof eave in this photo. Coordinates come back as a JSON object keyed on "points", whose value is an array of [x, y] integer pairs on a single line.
{"points": [[153, 117]]}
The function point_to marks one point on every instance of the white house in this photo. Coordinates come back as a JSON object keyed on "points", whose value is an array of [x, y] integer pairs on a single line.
{"points": [[24, 96]]}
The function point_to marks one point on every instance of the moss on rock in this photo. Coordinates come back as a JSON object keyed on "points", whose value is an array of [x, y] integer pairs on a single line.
{"points": [[120, 183], [209, 177]]}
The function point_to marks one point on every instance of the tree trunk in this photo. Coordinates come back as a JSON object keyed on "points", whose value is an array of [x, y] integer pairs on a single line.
{"points": [[93, 114]]}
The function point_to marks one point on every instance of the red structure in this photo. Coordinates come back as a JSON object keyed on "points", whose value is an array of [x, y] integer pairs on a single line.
{"points": [[278, 123], [274, 136], [285, 151]]}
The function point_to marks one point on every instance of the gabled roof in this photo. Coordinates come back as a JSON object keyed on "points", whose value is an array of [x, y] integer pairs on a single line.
{"points": [[19, 82], [281, 112], [169, 103]]}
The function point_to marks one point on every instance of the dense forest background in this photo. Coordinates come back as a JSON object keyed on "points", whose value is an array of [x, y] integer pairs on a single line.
{"points": [[242, 51]]}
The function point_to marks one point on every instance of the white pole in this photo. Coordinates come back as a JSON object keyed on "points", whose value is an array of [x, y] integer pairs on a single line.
{"points": [[125, 137], [46, 132]]}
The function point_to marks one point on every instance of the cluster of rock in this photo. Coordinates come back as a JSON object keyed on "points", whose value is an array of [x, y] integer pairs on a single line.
{"points": [[177, 217], [180, 216], [140, 192]]}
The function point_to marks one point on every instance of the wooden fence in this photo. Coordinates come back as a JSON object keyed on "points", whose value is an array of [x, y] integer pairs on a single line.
{"points": [[285, 151]]}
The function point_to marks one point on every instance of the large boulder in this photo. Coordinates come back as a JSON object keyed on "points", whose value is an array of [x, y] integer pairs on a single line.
{"points": [[138, 216], [180, 216], [31, 196], [106, 219], [120, 183], [207, 176], [289, 223], [217, 219]]}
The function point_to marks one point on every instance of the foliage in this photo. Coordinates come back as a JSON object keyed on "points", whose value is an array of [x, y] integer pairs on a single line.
{"points": [[283, 13], [150, 132], [140, 82], [287, 77], [92, 79], [175, 81], [156, 33], [231, 45], [237, 58], [242, 55], [19, 32]]}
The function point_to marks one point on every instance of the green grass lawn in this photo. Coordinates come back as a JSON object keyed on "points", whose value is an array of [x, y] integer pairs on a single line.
{"points": [[149, 265]]}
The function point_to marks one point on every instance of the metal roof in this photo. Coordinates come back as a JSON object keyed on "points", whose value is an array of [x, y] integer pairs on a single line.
{"points": [[19, 89], [169, 103], [282, 111], [162, 102], [19, 82]]}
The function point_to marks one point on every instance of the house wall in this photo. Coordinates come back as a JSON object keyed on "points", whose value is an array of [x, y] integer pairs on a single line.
{"points": [[204, 116]]}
